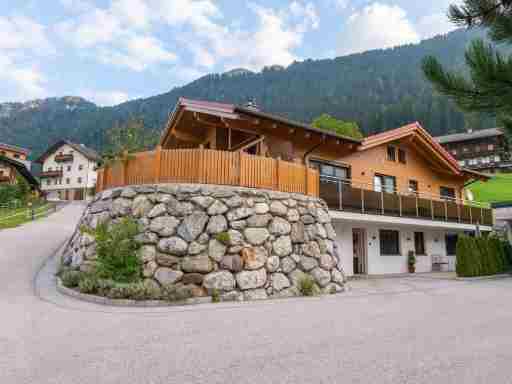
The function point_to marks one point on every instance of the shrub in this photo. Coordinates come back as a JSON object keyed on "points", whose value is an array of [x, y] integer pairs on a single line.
{"points": [[215, 296], [70, 278], [307, 286], [117, 252], [481, 256], [89, 284], [223, 237]]}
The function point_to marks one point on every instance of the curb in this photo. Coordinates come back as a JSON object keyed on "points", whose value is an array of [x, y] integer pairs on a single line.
{"points": [[479, 278]]}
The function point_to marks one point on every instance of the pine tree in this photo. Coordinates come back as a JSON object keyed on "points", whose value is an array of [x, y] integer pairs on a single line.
{"points": [[489, 88]]}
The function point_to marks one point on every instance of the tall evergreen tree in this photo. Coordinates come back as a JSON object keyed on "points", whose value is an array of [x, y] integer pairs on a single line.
{"points": [[489, 88]]}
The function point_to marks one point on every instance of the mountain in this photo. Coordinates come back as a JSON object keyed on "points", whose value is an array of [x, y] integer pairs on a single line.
{"points": [[379, 89]]}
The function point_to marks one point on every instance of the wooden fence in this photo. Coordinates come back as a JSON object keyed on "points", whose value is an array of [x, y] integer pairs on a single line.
{"points": [[206, 166]]}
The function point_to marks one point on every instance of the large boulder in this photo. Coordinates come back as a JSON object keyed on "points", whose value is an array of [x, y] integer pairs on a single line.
{"points": [[279, 209], [255, 258], [279, 281], [217, 224], [321, 277], [216, 250], [217, 208]]}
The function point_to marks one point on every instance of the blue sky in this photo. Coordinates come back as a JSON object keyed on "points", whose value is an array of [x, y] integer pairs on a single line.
{"points": [[110, 51]]}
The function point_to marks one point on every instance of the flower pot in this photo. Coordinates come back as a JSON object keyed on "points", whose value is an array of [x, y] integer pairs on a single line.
{"points": [[412, 268]]}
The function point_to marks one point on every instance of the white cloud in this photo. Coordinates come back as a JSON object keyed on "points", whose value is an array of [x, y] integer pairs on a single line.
{"points": [[76, 6], [435, 24], [20, 82], [22, 33], [104, 98], [377, 26]]}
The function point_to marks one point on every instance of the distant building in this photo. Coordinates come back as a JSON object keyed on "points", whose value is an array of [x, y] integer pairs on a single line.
{"points": [[68, 171], [7, 171], [14, 169], [485, 150]]}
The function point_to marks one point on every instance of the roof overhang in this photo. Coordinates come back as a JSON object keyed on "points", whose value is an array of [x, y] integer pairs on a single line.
{"points": [[22, 170]]}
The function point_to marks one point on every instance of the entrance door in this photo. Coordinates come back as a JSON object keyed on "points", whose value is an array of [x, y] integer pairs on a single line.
{"points": [[359, 249]]}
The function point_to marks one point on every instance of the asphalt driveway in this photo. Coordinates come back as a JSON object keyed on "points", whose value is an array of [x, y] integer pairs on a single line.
{"points": [[407, 330]]}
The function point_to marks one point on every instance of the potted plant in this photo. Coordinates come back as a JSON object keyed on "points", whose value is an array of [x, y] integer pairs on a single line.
{"points": [[411, 262]]}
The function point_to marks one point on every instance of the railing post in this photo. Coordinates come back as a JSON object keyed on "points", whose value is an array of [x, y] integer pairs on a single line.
{"points": [[278, 164], [417, 207], [340, 185], [446, 210], [458, 212], [432, 208], [470, 215], [157, 164], [382, 202], [400, 204], [482, 215], [362, 200]]}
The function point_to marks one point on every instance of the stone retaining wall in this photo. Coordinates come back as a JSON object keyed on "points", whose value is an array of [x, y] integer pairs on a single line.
{"points": [[268, 240]]}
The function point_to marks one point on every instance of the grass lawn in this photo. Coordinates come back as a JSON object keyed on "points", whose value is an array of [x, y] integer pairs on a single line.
{"points": [[15, 217], [499, 188]]}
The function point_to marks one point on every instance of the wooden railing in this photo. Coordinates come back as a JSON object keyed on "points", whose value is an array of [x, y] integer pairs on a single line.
{"points": [[206, 166]]}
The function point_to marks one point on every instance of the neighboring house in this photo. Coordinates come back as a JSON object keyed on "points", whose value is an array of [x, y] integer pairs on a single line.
{"points": [[7, 174], [485, 150], [17, 168], [68, 171], [503, 212], [388, 194]]}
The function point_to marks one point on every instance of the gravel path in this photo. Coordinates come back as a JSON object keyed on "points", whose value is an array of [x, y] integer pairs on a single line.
{"points": [[401, 330]]}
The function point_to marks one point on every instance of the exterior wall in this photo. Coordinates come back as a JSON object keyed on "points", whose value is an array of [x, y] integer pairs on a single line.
{"points": [[379, 264], [88, 174]]}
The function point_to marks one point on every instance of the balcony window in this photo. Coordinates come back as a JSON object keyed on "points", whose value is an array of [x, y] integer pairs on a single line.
{"points": [[389, 242], [80, 167], [383, 183], [68, 180], [69, 168], [391, 153], [419, 243], [447, 193], [497, 159], [413, 186], [401, 156]]}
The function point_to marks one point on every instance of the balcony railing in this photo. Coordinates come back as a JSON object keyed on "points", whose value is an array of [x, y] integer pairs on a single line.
{"points": [[63, 158], [56, 173], [352, 196]]}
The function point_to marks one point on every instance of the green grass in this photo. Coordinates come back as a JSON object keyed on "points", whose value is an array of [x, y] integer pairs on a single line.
{"points": [[8, 220], [499, 188]]}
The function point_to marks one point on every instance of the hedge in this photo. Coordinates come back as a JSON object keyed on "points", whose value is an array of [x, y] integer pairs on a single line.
{"points": [[482, 256]]}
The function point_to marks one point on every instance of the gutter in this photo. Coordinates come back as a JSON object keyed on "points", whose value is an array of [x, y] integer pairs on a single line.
{"points": [[310, 151]]}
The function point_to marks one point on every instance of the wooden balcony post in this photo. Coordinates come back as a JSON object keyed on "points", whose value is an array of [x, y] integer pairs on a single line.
{"points": [[446, 210], [157, 164], [306, 178], [382, 202], [400, 204], [482, 215], [417, 207], [458, 212], [362, 200], [432, 208], [340, 184], [470, 215]]}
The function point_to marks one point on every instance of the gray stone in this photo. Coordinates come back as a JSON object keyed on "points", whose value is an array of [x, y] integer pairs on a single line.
{"points": [[308, 263], [278, 208], [327, 261], [146, 238], [173, 246], [288, 292], [337, 277], [141, 206], [239, 214], [157, 210], [332, 288], [238, 225], [145, 188], [308, 219], [251, 279], [278, 195], [331, 233], [297, 233], [149, 268], [311, 249], [192, 226], [296, 276], [261, 208], [167, 188], [147, 253], [256, 236], [279, 281], [232, 263], [162, 198], [167, 276], [100, 206], [321, 277], [179, 208], [273, 263], [195, 248], [203, 201], [217, 224], [280, 227], [258, 258], [90, 252], [234, 202], [201, 264], [192, 278], [311, 232], [164, 225], [282, 246], [129, 193], [232, 296], [322, 216], [235, 237], [188, 188], [293, 215], [259, 220], [320, 230], [143, 224], [326, 246], [255, 294], [288, 265], [217, 208], [166, 260], [106, 195], [121, 207], [203, 238], [221, 281], [216, 250], [98, 219]]}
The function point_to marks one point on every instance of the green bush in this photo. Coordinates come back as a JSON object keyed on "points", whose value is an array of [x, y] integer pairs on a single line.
{"points": [[117, 252], [89, 284], [215, 296], [481, 256], [223, 237], [71, 278], [307, 286]]}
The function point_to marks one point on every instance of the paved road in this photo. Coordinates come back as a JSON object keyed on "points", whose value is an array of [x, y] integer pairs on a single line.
{"points": [[407, 331]]}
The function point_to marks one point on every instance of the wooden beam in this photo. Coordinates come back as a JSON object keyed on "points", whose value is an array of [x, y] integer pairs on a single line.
{"points": [[187, 137]]}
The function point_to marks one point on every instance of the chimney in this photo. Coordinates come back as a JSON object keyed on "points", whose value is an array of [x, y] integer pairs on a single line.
{"points": [[251, 104]]}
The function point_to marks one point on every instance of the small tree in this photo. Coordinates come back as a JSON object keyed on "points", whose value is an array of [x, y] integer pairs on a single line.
{"points": [[329, 123]]}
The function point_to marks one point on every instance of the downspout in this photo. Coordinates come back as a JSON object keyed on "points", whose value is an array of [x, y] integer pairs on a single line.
{"points": [[310, 151]]}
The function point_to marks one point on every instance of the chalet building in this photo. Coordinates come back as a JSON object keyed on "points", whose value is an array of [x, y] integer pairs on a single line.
{"points": [[18, 154], [390, 194], [14, 169], [68, 171], [485, 150]]}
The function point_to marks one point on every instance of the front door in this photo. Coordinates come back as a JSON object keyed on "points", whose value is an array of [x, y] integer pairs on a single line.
{"points": [[359, 249]]}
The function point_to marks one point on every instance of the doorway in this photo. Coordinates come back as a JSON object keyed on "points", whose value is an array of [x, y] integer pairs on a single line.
{"points": [[359, 249]]}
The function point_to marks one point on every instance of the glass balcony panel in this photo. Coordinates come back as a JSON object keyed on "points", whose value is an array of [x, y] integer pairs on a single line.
{"points": [[424, 208], [351, 198], [391, 204], [329, 191], [453, 214], [488, 218], [439, 210], [409, 206], [372, 202], [465, 214]]}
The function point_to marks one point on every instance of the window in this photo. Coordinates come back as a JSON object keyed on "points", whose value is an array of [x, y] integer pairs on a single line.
{"points": [[389, 242], [447, 193], [384, 183], [69, 168], [490, 147], [391, 153], [48, 182], [413, 186], [80, 167], [451, 243], [401, 156], [465, 149], [454, 152], [56, 182], [477, 148], [49, 169], [68, 180], [327, 170], [462, 163], [16, 156], [79, 180], [497, 159], [419, 243]]}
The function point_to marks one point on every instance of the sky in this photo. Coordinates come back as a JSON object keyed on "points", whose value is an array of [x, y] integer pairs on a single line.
{"points": [[111, 51]]}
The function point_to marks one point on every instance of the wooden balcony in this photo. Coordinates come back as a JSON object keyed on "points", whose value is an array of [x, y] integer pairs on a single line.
{"points": [[47, 174], [63, 158], [352, 196], [4, 179], [206, 166]]}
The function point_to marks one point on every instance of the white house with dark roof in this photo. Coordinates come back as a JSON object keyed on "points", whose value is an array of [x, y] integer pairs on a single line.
{"points": [[68, 171]]}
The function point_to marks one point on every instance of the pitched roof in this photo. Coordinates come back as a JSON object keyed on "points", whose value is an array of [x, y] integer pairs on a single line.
{"points": [[236, 112], [409, 130], [14, 148], [89, 153], [22, 170], [482, 133]]}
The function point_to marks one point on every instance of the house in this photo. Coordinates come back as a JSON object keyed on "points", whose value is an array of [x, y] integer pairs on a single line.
{"points": [[7, 172], [14, 168], [68, 171], [485, 150], [388, 194]]}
